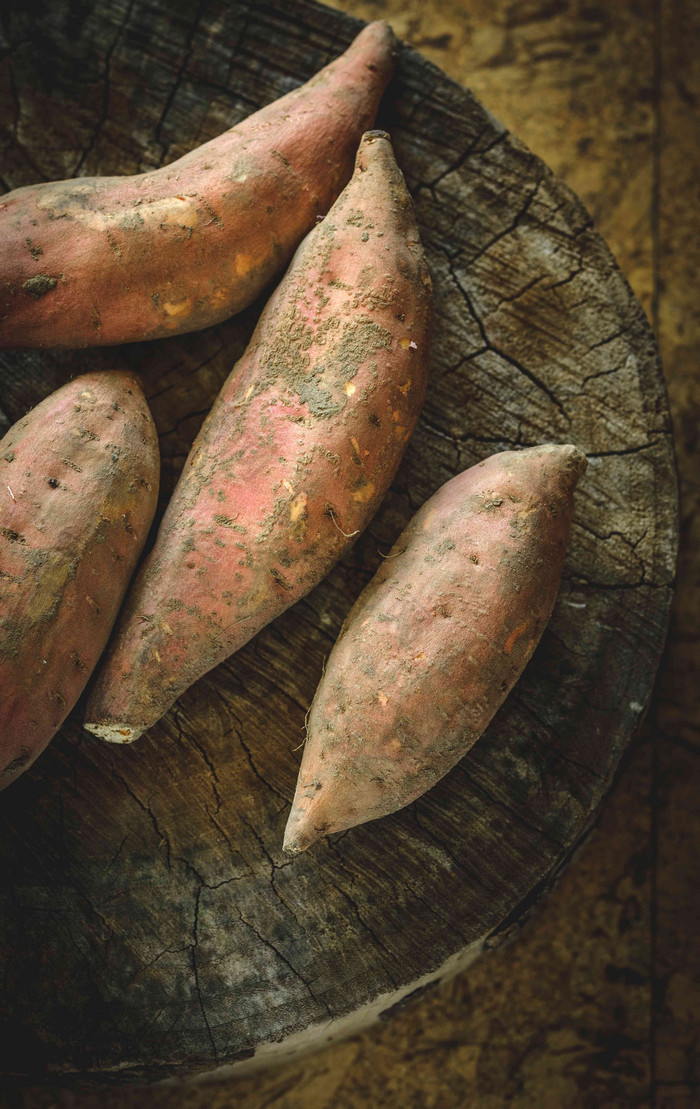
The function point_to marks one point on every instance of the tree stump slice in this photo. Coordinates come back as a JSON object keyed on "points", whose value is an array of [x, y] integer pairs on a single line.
{"points": [[150, 924]]}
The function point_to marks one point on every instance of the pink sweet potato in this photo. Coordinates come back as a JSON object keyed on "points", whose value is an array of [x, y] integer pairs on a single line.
{"points": [[78, 490], [295, 456], [436, 641], [112, 259]]}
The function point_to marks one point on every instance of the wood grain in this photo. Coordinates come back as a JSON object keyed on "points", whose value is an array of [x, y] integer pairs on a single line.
{"points": [[172, 934]]}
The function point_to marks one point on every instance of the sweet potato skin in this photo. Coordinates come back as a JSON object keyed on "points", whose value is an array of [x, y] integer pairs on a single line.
{"points": [[109, 260], [436, 641], [295, 456], [79, 485]]}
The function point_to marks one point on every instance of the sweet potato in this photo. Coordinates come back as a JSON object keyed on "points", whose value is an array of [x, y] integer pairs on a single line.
{"points": [[295, 456], [78, 490], [112, 259], [436, 641]]}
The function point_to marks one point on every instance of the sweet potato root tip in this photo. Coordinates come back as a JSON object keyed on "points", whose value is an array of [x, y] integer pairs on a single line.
{"points": [[574, 463], [299, 839], [436, 641], [113, 733], [377, 43]]}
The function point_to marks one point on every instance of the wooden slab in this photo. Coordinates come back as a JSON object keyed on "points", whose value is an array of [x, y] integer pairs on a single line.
{"points": [[149, 923]]}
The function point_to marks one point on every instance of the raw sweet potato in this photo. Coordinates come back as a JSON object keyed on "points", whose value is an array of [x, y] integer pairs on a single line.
{"points": [[78, 490], [436, 641], [295, 456], [112, 259]]}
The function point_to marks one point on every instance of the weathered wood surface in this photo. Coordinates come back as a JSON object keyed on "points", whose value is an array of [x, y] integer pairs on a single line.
{"points": [[150, 923]]}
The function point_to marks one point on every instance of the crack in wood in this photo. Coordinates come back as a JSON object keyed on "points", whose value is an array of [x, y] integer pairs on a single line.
{"points": [[195, 971], [496, 350], [146, 808], [283, 958], [107, 91], [186, 55], [474, 781]]}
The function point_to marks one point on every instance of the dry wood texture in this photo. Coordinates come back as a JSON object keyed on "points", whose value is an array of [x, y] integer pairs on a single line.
{"points": [[149, 922]]}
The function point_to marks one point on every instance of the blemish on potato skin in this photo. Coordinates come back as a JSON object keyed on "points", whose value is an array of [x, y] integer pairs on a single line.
{"points": [[78, 662], [38, 286], [514, 636], [17, 763], [114, 246], [11, 535], [363, 492], [228, 522]]}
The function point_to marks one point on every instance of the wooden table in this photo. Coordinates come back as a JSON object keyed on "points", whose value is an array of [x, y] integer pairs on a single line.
{"points": [[150, 924]]}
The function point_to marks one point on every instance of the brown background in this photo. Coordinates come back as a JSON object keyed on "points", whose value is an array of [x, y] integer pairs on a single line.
{"points": [[597, 1002]]}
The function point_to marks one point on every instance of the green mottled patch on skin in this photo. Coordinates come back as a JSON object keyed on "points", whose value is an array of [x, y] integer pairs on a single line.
{"points": [[114, 246], [17, 763], [227, 522], [332, 456], [13, 633], [11, 535], [272, 517], [281, 580], [445, 545], [320, 386], [51, 572], [39, 286], [131, 221]]}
